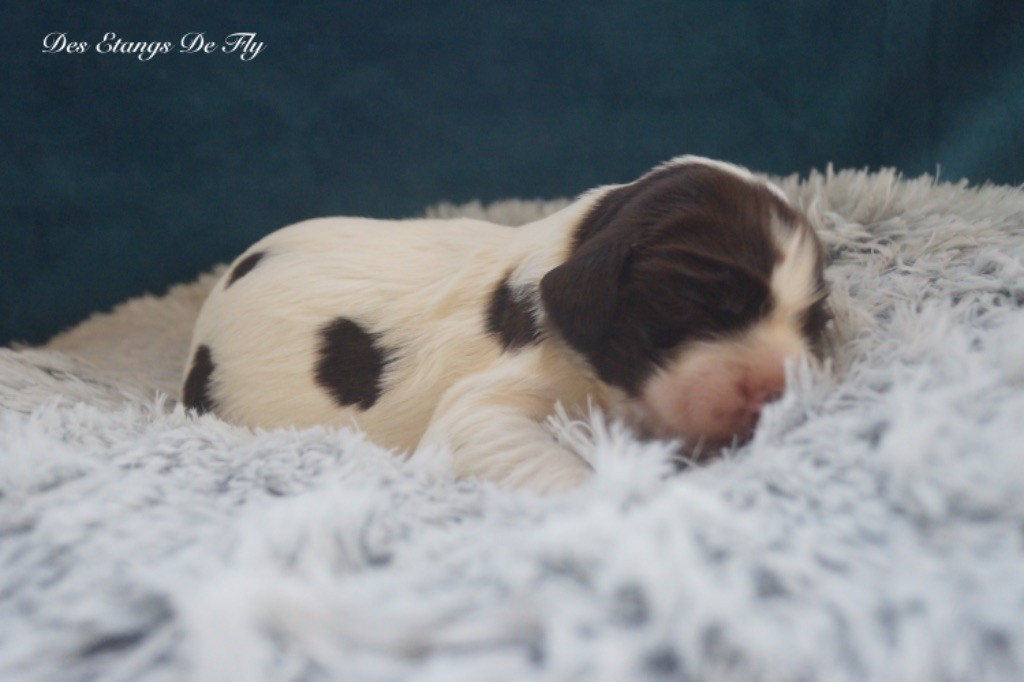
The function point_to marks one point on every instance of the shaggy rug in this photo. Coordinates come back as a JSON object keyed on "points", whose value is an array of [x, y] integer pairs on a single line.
{"points": [[872, 530]]}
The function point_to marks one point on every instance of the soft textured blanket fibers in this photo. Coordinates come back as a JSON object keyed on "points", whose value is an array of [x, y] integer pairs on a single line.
{"points": [[873, 529]]}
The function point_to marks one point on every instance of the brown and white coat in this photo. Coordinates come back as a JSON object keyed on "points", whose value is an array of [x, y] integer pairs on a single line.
{"points": [[673, 302]]}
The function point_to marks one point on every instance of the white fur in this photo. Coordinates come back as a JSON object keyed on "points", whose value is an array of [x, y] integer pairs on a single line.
{"points": [[423, 286]]}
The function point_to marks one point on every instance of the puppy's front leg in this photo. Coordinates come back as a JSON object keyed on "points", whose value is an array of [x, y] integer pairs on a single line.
{"points": [[493, 425]]}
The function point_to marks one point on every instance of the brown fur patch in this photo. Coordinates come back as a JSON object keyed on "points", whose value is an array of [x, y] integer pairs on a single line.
{"points": [[685, 253], [244, 267], [196, 392], [510, 318], [351, 364]]}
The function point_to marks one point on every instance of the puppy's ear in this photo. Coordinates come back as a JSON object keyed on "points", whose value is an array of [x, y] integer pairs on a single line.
{"points": [[579, 296]]}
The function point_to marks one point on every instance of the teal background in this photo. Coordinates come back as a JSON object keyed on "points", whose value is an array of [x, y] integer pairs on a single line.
{"points": [[121, 177]]}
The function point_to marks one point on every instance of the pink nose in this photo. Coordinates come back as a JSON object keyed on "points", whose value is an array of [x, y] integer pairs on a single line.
{"points": [[757, 390]]}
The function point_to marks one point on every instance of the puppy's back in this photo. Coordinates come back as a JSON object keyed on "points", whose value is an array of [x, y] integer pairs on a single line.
{"points": [[314, 324]]}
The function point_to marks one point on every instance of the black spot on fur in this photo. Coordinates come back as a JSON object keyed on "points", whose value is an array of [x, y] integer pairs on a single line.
{"points": [[684, 254], [351, 363], [510, 318], [196, 393], [244, 267]]}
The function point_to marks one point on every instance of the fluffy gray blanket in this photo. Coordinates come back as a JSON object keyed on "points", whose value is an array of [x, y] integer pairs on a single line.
{"points": [[873, 529]]}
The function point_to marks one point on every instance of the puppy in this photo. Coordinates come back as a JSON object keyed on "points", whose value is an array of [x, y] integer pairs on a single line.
{"points": [[673, 302]]}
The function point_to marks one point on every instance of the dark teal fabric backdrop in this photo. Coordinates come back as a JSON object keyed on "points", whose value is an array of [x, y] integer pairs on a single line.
{"points": [[123, 176]]}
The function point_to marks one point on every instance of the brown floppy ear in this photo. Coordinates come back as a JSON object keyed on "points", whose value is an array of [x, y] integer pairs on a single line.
{"points": [[579, 296]]}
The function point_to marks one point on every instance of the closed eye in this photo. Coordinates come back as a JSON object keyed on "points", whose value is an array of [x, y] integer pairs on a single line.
{"points": [[816, 318]]}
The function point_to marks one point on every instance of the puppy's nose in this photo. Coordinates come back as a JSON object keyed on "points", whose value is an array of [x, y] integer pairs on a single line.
{"points": [[760, 397], [763, 383], [757, 390]]}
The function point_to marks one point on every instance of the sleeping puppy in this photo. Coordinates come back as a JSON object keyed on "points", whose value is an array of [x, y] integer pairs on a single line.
{"points": [[673, 302]]}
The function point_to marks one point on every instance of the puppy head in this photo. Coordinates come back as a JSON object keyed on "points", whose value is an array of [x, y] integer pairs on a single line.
{"points": [[689, 290]]}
